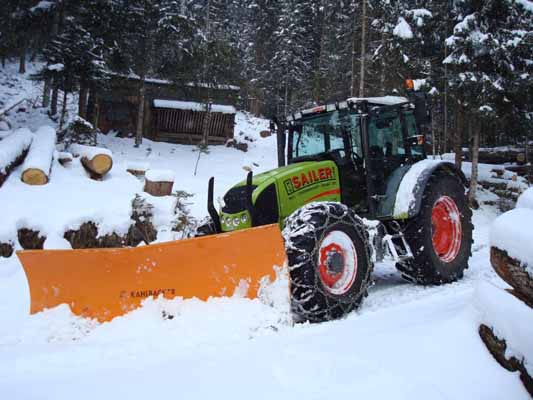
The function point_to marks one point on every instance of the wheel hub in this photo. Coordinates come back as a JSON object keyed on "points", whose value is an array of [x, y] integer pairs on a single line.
{"points": [[337, 262], [446, 229]]}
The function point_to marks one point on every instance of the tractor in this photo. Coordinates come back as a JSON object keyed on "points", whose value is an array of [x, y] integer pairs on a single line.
{"points": [[354, 186]]}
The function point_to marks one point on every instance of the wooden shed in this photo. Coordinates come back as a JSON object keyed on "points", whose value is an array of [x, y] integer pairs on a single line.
{"points": [[172, 112]]}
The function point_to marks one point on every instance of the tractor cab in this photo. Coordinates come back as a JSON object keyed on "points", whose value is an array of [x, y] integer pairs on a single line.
{"points": [[369, 139]]}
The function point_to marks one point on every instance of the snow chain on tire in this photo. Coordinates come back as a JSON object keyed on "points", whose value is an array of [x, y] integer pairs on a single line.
{"points": [[306, 231]]}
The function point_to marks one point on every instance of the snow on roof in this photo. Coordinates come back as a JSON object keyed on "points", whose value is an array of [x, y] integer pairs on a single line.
{"points": [[193, 106], [384, 100], [403, 30], [159, 81]]}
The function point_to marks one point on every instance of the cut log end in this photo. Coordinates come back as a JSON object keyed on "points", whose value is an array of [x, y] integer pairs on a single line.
{"points": [[102, 164], [34, 176], [98, 166]]}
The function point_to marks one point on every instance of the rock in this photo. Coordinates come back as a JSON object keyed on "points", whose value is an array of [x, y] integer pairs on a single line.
{"points": [[265, 133]]}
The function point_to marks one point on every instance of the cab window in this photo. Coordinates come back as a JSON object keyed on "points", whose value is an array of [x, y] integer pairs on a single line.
{"points": [[386, 137]]}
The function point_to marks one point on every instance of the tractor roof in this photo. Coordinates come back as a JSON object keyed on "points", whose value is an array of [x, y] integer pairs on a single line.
{"points": [[385, 101]]}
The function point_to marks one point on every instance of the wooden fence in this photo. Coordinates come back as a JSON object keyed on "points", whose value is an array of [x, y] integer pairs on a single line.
{"points": [[185, 126]]}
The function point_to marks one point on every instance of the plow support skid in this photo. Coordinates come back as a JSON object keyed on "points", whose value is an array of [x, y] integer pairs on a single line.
{"points": [[105, 283]]}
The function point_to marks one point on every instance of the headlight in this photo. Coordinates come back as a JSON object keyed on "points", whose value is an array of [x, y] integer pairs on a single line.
{"points": [[244, 218], [236, 221], [228, 221]]}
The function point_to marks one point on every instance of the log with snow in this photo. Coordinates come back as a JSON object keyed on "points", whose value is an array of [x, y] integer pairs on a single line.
{"points": [[159, 182], [13, 150], [511, 238], [37, 166], [96, 160]]}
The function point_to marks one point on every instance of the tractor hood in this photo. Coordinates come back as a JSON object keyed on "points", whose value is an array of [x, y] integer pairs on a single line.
{"points": [[279, 192]]}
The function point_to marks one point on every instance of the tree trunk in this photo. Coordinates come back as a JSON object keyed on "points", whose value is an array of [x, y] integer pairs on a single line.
{"points": [[363, 52], [352, 84], [140, 112], [55, 96], [458, 137], [22, 61], [46, 93], [91, 107], [63, 110], [476, 128], [82, 101], [3, 61]]}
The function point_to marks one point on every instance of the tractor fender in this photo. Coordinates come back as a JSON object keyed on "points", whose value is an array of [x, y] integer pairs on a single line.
{"points": [[411, 189]]}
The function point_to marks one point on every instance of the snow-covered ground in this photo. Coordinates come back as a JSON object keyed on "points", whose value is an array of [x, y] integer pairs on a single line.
{"points": [[406, 341]]}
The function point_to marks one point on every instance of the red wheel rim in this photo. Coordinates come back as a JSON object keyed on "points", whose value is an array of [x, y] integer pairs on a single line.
{"points": [[337, 262], [446, 229]]}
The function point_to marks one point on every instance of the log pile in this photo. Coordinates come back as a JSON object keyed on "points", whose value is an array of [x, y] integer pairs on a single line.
{"points": [[159, 182], [97, 161], [515, 274], [38, 163], [13, 151]]}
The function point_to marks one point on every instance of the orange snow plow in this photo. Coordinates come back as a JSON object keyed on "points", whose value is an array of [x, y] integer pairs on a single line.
{"points": [[106, 283]]}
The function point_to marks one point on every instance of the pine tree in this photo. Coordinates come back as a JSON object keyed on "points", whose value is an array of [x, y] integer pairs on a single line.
{"points": [[150, 28]]}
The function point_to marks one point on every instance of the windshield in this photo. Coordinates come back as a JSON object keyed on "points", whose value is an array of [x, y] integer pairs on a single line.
{"points": [[324, 133]]}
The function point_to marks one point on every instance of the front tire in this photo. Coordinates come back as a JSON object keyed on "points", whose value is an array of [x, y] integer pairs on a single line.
{"points": [[329, 261], [440, 236]]}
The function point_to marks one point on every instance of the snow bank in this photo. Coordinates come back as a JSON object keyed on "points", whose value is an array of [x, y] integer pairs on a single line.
{"points": [[160, 175], [526, 199], [193, 106], [512, 232], [13, 146], [41, 150], [510, 319]]}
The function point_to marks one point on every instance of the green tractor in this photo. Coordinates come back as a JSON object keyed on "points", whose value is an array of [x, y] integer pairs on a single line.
{"points": [[353, 186]]}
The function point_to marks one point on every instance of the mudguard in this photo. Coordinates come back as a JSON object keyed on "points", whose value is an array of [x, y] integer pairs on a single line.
{"points": [[408, 197]]}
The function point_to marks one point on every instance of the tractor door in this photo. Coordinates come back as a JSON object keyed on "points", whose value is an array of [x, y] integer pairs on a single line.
{"points": [[386, 151]]}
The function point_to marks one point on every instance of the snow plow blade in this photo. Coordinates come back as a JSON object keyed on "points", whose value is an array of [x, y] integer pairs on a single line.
{"points": [[106, 283]]}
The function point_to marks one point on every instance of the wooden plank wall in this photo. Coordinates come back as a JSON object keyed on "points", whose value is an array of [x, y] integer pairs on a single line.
{"points": [[185, 126]]}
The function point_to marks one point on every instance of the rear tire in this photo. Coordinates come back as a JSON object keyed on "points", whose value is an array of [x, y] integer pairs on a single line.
{"points": [[329, 261], [440, 236]]}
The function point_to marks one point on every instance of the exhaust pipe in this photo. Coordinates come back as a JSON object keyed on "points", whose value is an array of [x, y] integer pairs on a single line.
{"points": [[249, 190], [211, 208]]}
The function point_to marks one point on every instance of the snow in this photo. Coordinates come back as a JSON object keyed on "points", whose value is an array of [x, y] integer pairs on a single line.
{"points": [[405, 197], [41, 150], [402, 29], [400, 344], [510, 319], [527, 4], [385, 100], [525, 200], [138, 166], [56, 67], [160, 175], [80, 150], [13, 146], [512, 232], [193, 106]]}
